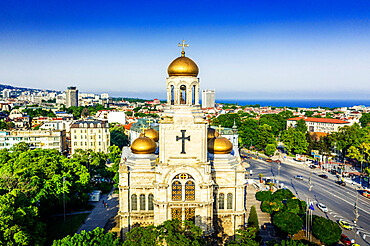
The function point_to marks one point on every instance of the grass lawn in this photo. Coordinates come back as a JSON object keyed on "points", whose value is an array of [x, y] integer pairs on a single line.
{"points": [[57, 228]]}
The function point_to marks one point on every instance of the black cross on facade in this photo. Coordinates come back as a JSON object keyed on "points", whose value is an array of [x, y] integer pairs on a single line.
{"points": [[183, 138]]}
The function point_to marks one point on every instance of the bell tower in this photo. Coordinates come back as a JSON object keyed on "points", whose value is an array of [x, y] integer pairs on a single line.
{"points": [[183, 84], [183, 128]]}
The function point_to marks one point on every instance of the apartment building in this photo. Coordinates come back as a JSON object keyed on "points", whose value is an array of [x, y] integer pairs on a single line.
{"points": [[44, 139], [90, 134]]}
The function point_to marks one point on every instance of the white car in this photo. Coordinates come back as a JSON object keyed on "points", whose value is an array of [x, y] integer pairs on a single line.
{"points": [[300, 177], [322, 207]]}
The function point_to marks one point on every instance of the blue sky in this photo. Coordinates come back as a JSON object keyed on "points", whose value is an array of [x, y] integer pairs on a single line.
{"points": [[244, 49]]}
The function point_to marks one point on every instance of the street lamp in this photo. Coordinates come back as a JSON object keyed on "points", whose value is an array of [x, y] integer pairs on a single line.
{"points": [[356, 214]]}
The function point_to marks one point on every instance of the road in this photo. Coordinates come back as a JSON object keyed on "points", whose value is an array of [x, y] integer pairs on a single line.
{"points": [[339, 200]]}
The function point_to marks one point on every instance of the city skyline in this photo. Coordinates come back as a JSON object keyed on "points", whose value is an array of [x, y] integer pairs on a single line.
{"points": [[245, 50]]}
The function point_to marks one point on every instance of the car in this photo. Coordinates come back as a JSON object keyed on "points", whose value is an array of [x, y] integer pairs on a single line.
{"points": [[312, 166], [268, 160], [345, 240], [300, 177], [324, 176], [322, 207], [345, 224], [340, 182]]}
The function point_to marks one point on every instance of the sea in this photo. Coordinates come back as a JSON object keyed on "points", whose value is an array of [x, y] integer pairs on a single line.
{"points": [[298, 103]]}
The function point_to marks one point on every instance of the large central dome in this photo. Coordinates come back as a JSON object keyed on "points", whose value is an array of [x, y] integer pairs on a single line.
{"points": [[183, 66]]}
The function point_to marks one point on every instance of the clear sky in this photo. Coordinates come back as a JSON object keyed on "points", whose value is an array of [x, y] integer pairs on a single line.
{"points": [[244, 49]]}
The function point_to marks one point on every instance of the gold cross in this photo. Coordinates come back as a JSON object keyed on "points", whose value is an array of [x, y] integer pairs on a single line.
{"points": [[183, 45], [143, 128], [183, 176], [149, 121], [220, 128]]}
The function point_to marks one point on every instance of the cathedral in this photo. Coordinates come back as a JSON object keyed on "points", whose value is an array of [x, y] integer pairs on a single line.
{"points": [[185, 170]]}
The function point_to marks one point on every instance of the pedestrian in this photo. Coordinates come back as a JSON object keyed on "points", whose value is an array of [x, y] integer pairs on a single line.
{"points": [[103, 203]]}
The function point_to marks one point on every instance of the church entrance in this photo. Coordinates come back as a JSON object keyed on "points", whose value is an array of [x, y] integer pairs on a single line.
{"points": [[187, 213]]}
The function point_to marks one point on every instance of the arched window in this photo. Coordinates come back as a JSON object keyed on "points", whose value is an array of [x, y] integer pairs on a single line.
{"points": [[221, 201], [182, 94], [193, 95], [229, 201], [176, 191], [172, 95], [142, 202], [189, 191], [150, 202], [133, 202]]}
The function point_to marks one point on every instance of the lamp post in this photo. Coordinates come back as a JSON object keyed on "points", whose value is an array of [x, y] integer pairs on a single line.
{"points": [[356, 214], [64, 200]]}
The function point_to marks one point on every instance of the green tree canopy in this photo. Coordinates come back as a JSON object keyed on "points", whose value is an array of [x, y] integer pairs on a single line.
{"points": [[301, 126], [365, 119], [97, 237], [288, 222], [326, 230], [294, 141]]}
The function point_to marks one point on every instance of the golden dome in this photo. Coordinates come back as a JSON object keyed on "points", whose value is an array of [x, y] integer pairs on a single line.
{"points": [[151, 133], [219, 145], [212, 133], [143, 145], [183, 66]]}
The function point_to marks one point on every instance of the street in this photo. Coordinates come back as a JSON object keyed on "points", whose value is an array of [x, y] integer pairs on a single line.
{"points": [[339, 200]]}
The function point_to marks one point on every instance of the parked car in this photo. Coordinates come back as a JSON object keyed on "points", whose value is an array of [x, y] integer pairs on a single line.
{"points": [[324, 176], [268, 160], [312, 166], [340, 182], [322, 207], [300, 177], [345, 224], [345, 240]]}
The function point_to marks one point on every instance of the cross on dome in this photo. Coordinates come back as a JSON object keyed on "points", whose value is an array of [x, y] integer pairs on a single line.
{"points": [[183, 45]]}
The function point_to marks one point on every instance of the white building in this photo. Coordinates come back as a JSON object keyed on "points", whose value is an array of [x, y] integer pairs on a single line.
{"points": [[43, 139], [92, 135], [117, 117], [324, 125], [208, 98], [193, 177]]}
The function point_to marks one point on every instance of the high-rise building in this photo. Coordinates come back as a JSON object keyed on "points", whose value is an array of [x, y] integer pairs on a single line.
{"points": [[71, 96], [208, 98]]}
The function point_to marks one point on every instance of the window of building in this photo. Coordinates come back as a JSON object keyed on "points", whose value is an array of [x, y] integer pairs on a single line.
{"points": [[133, 202], [190, 190], [182, 94], [172, 99], [150, 202], [221, 201], [229, 201], [190, 214], [176, 191], [142, 202], [193, 95], [176, 213]]}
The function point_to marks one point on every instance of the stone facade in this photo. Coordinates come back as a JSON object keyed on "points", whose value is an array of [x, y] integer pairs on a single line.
{"points": [[183, 181]]}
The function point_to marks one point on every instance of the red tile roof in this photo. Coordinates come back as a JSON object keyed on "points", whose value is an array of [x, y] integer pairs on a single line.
{"points": [[323, 120]]}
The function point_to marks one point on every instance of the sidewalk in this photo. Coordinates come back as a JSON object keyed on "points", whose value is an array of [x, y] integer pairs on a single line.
{"points": [[263, 218], [100, 215]]}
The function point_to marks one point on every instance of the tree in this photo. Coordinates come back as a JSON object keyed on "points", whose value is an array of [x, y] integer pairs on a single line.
{"points": [[282, 194], [248, 132], [288, 222], [365, 119], [295, 206], [85, 113], [264, 196], [19, 224], [294, 141], [227, 120], [91, 238], [253, 218], [246, 237], [118, 137], [270, 149], [308, 113], [173, 232], [265, 137], [301, 126], [326, 230], [272, 206]]}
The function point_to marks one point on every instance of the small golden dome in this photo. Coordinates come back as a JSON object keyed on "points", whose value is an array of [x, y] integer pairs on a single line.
{"points": [[151, 133], [143, 145], [211, 133], [220, 145], [183, 66]]}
